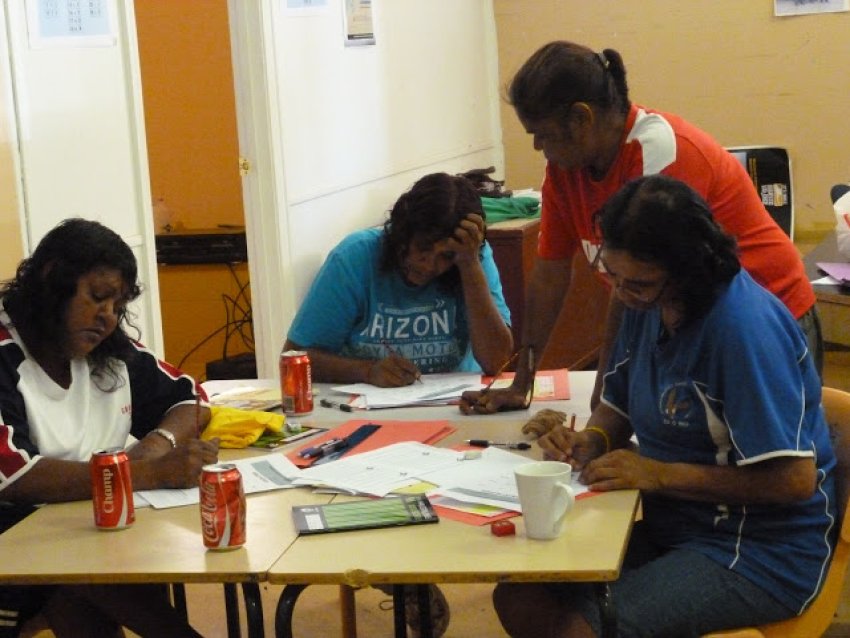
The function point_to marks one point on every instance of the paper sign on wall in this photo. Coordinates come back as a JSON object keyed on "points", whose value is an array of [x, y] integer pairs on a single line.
{"points": [[69, 23]]}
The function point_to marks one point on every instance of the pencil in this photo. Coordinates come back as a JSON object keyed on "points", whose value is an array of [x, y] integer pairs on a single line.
{"points": [[392, 351], [499, 372]]}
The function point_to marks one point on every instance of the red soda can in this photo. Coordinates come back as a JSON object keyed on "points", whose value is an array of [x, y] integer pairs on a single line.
{"points": [[112, 489], [223, 506], [296, 384]]}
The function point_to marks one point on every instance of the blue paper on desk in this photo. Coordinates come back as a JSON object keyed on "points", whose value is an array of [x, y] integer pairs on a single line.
{"points": [[840, 271]]}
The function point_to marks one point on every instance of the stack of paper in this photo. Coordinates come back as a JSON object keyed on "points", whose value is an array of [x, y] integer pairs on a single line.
{"points": [[431, 389]]}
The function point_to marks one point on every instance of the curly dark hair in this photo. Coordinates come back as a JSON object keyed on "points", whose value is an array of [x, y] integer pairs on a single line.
{"points": [[45, 282], [429, 212], [663, 221], [560, 73]]}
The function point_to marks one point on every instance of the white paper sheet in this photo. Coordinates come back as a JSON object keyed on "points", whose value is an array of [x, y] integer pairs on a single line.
{"points": [[259, 474], [488, 480], [434, 388], [381, 471]]}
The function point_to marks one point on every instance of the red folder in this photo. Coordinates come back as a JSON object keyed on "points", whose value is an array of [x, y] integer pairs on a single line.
{"points": [[561, 384], [390, 432]]}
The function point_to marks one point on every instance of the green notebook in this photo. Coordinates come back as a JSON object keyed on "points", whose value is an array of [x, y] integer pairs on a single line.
{"points": [[391, 511]]}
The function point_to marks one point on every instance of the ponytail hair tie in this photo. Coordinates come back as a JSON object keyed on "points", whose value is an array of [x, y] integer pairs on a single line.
{"points": [[602, 60]]}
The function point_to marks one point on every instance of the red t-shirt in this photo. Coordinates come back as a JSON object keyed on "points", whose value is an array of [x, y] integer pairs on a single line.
{"points": [[656, 142]]}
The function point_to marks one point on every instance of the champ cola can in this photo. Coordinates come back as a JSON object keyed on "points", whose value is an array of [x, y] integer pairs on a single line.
{"points": [[296, 382], [112, 489]]}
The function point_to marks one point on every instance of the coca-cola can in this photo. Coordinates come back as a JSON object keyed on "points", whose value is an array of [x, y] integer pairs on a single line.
{"points": [[223, 506], [112, 489], [296, 384]]}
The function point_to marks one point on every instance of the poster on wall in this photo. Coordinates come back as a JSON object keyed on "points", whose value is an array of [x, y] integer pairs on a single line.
{"points": [[359, 29], [803, 7], [305, 7], [69, 23]]}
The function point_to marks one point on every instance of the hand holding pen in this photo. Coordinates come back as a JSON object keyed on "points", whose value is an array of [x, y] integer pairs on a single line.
{"points": [[491, 400], [393, 371], [563, 443]]}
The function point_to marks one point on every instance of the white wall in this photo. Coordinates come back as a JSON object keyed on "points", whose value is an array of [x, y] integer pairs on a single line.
{"points": [[356, 126], [360, 124]]}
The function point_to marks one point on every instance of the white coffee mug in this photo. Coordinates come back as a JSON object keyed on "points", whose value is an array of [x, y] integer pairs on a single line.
{"points": [[545, 497]]}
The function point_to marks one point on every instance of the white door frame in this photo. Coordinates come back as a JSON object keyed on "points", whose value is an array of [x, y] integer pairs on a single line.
{"points": [[115, 72], [258, 115]]}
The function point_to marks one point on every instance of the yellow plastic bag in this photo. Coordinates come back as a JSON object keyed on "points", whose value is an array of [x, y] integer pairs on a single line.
{"points": [[240, 428]]}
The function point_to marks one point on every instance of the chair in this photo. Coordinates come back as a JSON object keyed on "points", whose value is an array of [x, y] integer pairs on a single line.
{"points": [[819, 615]]}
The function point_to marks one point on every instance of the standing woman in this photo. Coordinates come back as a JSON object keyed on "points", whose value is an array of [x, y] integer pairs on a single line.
{"points": [[72, 382], [713, 376], [574, 102], [422, 295]]}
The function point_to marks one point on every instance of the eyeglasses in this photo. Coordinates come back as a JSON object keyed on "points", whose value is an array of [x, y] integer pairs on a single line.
{"points": [[639, 290]]}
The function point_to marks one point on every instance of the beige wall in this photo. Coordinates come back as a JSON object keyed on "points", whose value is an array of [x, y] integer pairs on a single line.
{"points": [[10, 226], [728, 66]]}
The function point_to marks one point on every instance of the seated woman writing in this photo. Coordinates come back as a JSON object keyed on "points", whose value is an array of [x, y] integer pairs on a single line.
{"points": [[72, 382], [422, 295], [713, 376]]}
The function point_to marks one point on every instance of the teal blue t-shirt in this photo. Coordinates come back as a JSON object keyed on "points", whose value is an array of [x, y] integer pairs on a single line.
{"points": [[352, 308]]}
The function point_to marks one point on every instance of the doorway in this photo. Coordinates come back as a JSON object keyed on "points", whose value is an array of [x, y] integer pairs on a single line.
{"points": [[193, 155]]}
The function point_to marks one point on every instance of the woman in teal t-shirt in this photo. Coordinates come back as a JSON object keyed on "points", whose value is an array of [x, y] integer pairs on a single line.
{"points": [[421, 295]]}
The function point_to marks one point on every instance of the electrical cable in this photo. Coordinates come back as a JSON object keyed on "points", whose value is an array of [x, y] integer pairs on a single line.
{"points": [[238, 320]]}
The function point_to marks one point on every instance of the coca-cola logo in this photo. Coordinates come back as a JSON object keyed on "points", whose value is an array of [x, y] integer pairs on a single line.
{"points": [[209, 526]]}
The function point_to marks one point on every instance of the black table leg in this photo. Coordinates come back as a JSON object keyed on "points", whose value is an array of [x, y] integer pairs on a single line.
{"points": [[399, 626], [285, 609], [607, 612], [178, 599], [253, 610], [423, 598], [231, 611], [423, 601]]}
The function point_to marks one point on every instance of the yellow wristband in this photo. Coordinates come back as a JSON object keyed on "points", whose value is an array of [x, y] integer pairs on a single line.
{"points": [[603, 434]]}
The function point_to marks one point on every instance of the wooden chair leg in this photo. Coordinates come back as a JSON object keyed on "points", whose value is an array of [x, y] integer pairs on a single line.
{"points": [[347, 611]]}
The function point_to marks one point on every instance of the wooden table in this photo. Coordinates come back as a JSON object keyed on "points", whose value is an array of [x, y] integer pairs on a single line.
{"points": [[59, 544], [833, 301], [590, 550]]}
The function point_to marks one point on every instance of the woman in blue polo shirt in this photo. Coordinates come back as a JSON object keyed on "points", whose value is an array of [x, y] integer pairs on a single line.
{"points": [[713, 376]]}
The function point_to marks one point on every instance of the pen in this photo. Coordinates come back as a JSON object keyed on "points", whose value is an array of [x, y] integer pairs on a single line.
{"points": [[521, 445], [327, 403], [331, 445], [392, 350]]}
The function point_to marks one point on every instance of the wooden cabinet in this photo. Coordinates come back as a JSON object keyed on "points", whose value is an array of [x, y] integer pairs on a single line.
{"points": [[577, 334], [514, 244]]}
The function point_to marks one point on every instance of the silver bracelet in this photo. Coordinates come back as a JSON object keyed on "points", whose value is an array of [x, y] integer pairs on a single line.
{"points": [[168, 436]]}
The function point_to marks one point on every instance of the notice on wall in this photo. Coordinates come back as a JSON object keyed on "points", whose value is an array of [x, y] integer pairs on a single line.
{"points": [[69, 23], [359, 28], [305, 7], [804, 7]]}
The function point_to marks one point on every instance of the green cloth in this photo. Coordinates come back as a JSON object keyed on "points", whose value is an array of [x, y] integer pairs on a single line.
{"points": [[498, 209]]}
